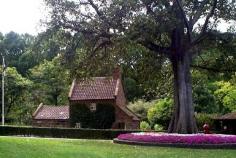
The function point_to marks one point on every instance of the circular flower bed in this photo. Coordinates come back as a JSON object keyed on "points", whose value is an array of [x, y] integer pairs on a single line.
{"points": [[194, 140]]}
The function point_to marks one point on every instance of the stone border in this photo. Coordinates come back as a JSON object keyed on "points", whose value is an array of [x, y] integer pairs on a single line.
{"points": [[178, 145]]}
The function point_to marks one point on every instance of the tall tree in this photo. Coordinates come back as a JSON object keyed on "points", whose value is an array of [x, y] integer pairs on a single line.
{"points": [[51, 82], [13, 46], [174, 29], [16, 89]]}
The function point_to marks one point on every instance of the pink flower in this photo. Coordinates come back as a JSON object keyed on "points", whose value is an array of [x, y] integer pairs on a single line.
{"points": [[179, 138]]}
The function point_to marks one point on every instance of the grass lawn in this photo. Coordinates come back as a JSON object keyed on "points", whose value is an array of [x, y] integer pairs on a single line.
{"points": [[16, 147]]}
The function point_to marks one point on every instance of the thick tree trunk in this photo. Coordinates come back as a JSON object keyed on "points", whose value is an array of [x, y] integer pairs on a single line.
{"points": [[183, 120]]}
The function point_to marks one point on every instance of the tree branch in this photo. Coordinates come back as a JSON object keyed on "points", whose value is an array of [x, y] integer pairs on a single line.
{"points": [[102, 44], [198, 13], [95, 8], [77, 28], [148, 8], [204, 27], [186, 23], [156, 48]]}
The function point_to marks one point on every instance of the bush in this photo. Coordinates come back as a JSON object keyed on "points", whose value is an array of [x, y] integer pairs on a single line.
{"points": [[158, 127], [141, 107], [144, 126], [204, 101], [161, 113], [62, 132]]}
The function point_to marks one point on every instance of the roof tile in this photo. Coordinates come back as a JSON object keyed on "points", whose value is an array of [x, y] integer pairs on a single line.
{"points": [[94, 89], [52, 112]]}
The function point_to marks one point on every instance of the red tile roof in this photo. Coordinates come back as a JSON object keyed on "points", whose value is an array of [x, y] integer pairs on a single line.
{"points": [[47, 112], [96, 88]]}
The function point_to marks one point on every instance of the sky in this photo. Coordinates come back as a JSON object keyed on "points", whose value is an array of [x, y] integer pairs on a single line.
{"points": [[21, 16]]}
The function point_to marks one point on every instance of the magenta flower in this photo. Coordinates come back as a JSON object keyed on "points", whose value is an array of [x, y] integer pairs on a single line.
{"points": [[179, 138]]}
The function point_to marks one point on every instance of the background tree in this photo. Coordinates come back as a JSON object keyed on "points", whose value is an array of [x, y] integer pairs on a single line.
{"points": [[16, 96], [169, 28], [51, 82], [13, 46]]}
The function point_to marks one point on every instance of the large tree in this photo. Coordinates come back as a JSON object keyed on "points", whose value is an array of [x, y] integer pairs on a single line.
{"points": [[16, 95], [174, 29], [51, 82]]}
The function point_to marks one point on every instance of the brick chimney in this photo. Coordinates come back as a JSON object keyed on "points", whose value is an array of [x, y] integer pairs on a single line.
{"points": [[116, 73]]}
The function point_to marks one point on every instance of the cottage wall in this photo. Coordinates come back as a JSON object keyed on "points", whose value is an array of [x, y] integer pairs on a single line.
{"points": [[123, 118], [120, 98], [51, 123]]}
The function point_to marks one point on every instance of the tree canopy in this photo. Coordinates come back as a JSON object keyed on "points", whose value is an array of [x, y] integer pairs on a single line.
{"points": [[173, 29]]}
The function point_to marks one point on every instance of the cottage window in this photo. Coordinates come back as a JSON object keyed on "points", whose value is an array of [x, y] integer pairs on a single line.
{"points": [[93, 107]]}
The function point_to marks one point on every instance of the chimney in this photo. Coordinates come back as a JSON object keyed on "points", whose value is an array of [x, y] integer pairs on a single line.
{"points": [[116, 73]]}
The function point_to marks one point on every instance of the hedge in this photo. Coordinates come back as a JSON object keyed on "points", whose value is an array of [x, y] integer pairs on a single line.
{"points": [[62, 132]]}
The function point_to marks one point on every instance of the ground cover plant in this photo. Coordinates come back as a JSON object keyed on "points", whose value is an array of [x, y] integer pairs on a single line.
{"points": [[189, 139], [11, 147]]}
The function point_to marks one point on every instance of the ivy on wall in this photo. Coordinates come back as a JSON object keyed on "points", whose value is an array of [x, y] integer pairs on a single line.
{"points": [[102, 118]]}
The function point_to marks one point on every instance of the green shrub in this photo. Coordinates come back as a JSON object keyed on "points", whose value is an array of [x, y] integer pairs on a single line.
{"points": [[204, 101], [141, 107], [158, 127], [145, 126], [161, 113]]}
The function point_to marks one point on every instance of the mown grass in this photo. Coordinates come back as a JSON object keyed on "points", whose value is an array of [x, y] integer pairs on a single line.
{"points": [[16, 147]]}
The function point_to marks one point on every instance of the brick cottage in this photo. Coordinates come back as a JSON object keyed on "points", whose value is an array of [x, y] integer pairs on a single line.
{"points": [[90, 92]]}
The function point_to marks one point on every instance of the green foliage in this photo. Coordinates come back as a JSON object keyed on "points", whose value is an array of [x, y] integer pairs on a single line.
{"points": [[102, 118], [158, 127], [204, 100], [51, 82], [79, 113], [226, 96], [141, 107], [144, 126], [24, 92], [132, 90], [13, 46], [16, 80], [161, 112], [230, 100], [150, 79], [17, 103]]}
